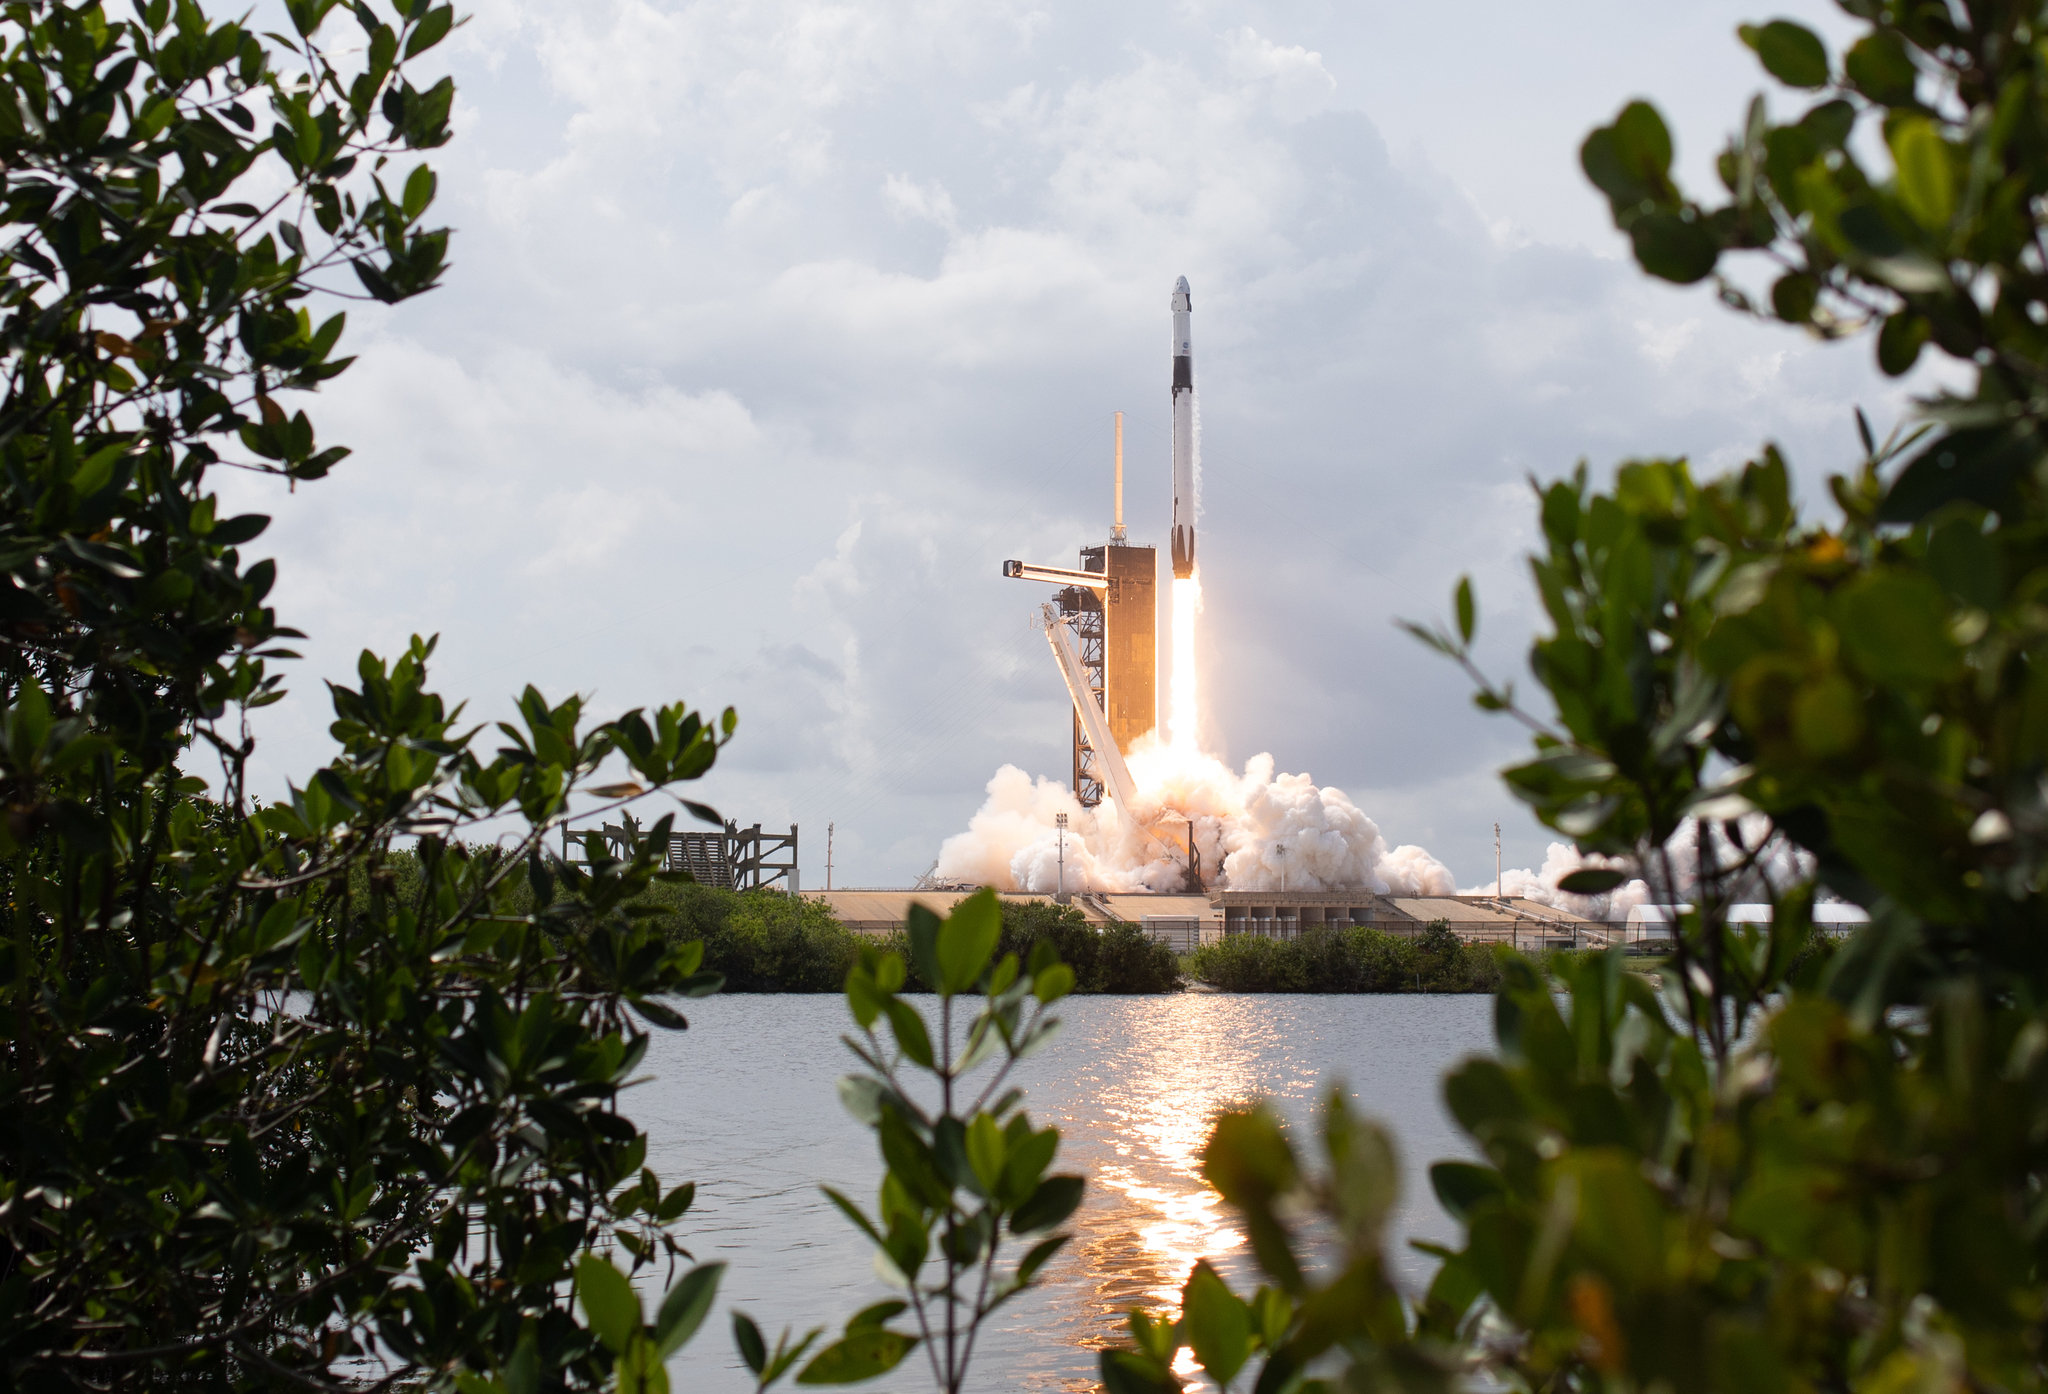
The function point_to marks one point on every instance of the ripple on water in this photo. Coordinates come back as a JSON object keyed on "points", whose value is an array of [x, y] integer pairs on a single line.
{"points": [[745, 1104]]}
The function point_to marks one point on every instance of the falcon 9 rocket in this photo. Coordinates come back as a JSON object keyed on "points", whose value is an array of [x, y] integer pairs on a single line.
{"points": [[1183, 434]]}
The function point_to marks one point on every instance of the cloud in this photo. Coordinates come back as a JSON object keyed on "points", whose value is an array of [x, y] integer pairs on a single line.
{"points": [[774, 327]]}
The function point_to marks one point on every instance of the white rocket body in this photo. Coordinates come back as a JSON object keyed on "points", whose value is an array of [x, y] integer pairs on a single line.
{"points": [[1183, 433]]}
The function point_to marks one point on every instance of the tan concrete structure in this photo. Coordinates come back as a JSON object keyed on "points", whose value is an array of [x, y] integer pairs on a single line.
{"points": [[1511, 919], [883, 912], [1185, 920], [1130, 643]]}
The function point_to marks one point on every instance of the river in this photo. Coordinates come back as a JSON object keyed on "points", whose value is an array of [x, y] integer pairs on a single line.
{"points": [[744, 1103]]}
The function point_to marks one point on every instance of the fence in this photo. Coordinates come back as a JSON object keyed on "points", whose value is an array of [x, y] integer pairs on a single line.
{"points": [[1530, 934]]}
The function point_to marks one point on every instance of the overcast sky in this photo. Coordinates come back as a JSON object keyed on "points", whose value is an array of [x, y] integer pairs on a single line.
{"points": [[774, 327]]}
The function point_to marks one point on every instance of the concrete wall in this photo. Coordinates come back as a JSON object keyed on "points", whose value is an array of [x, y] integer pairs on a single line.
{"points": [[1130, 643]]}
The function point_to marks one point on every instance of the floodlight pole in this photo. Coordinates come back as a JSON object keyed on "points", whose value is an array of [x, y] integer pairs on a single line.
{"points": [[1061, 820]]}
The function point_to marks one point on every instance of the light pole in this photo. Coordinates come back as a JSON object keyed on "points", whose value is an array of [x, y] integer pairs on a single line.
{"points": [[1061, 820], [1496, 861]]}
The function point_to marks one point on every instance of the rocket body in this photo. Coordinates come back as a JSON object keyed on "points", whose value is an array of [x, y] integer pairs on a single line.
{"points": [[1183, 433]]}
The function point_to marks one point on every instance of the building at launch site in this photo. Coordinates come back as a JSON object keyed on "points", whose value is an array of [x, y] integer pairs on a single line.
{"points": [[1184, 921]]}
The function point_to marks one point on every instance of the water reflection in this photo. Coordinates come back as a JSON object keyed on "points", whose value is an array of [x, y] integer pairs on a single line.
{"points": [[745, 1102]]}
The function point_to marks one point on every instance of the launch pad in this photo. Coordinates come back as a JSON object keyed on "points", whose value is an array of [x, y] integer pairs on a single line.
{"points": [[1103, 625], [1117, 630]]}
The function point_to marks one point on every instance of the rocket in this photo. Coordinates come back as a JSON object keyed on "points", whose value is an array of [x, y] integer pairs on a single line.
{"points": [[1183, 434]]}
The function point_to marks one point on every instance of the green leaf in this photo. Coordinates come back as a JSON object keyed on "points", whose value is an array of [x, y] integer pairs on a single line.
{"points": [[1894, 625], [987, 1151], [1051, 984], [877, 1315], [522, 1371], [1643, 141], [1056, 1198], [1467, 616], [1674, 248], [1977, 464], [1216, 1324], [967, 939], [1927, 182], [1966, 563], [747, 1336], [1133, 1372], [1591, 881], [1880, 67], [419, 192], [235, 531], [1899, 343], [609, 1302], [429, 31], [1460, 1186], [684, 1308], [908, 1027], [922, 928], [1248, 1159], [1791, 53], [1793, 297], [660, 1014], [861, 1354]]}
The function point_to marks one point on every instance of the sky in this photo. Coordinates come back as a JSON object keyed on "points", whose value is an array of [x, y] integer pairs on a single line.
{"points": [[774, 327]]}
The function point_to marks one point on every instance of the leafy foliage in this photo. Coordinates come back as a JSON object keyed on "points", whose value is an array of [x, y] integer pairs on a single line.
{"points": [[1115, 958], [1772, 1167], [1118, 957], [267, 1118], [759, 941], [1344, 1310], [964, 1170], [1354, 959]]}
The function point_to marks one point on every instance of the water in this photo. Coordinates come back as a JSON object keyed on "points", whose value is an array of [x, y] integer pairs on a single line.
{"points": [[744, 1103]]}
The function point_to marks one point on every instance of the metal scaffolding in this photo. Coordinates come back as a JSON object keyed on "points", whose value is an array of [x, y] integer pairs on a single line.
{"points": [[1085, 606], [737, 859]]}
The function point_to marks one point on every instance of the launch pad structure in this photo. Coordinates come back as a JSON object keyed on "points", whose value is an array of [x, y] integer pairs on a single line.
{"points": [[1117, 629], [1103, 627], [1111, 606]]}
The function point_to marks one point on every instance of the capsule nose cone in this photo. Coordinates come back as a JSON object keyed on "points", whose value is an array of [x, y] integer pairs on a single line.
{"points": [[1180, 287]]}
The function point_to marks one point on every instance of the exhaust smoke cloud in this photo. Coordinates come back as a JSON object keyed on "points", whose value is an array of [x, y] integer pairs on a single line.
{"points": [[1255, 830]]}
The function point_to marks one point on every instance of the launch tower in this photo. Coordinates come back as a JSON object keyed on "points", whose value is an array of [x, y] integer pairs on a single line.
{"points": [[1117, 626], [1111, 603]]}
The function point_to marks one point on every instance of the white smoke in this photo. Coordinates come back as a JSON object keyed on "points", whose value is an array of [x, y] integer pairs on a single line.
{"points": [[1254, 831], [1780, 865]]}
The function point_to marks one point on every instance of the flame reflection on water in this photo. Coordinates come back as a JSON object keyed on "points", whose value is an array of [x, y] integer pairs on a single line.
{"points": [[747, 1106]]}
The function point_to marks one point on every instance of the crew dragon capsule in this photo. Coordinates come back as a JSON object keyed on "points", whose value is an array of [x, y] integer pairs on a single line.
{"points": [[1183, 433]]}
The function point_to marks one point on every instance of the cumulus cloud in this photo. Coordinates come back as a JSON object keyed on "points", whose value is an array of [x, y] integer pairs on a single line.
{"points": [[774, 327]]}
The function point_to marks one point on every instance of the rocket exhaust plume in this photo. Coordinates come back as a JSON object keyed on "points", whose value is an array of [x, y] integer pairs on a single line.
{"points": [[1180, 692]]}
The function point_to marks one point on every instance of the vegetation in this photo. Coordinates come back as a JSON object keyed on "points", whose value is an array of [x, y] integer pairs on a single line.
{"points": [[1783, 1170], [1116, 958], [265, 1118], [961, 1175], [1119, 957], [759, 941], [283, 1102], [1355, 959]]}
